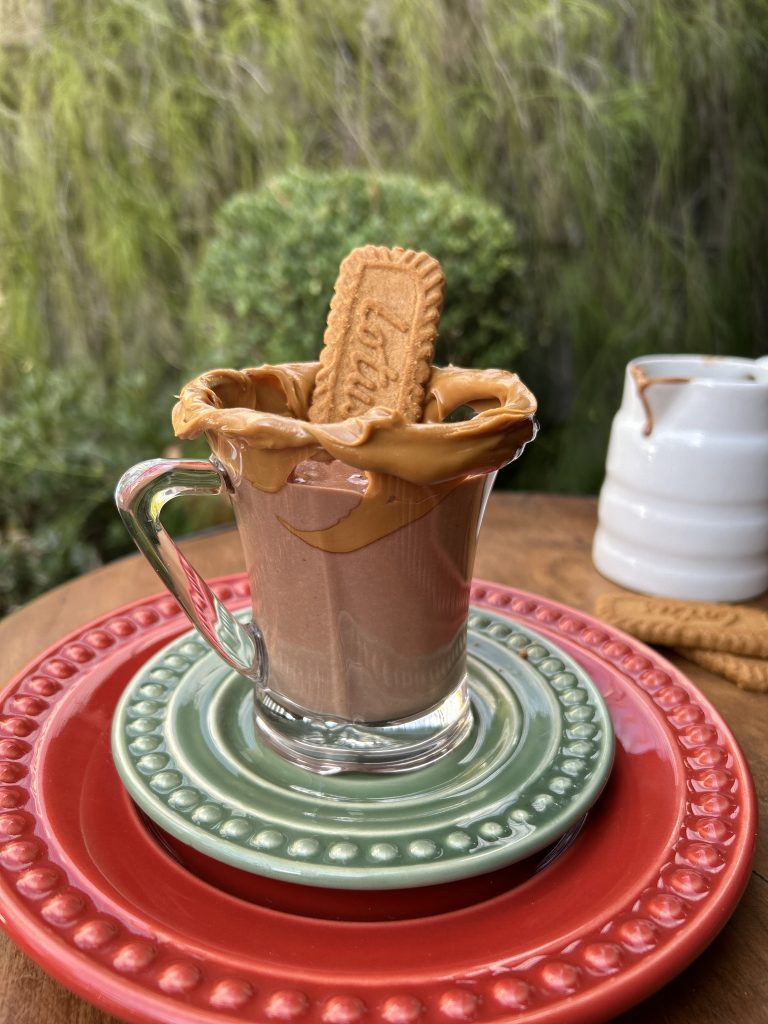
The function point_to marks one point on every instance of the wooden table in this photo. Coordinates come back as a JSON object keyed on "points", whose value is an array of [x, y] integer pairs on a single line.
{"points": [[539, 543]]}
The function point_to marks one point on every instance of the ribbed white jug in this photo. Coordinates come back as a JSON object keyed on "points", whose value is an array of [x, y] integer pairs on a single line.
{"points": [[683, 510]]}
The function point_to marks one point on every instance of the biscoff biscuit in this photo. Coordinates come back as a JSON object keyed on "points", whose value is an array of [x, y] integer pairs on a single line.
{"points": [[747, 673], [380, 338], [714, 627]]}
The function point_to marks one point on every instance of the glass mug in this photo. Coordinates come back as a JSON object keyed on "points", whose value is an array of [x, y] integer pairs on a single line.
{"points": [[358, 658], [359, 580]]}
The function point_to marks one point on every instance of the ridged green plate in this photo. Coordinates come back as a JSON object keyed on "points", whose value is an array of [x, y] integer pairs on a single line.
{"points": [[538, 756]]}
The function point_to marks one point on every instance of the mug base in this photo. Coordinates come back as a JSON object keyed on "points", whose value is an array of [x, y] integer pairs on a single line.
{"points": [[329, 746]]}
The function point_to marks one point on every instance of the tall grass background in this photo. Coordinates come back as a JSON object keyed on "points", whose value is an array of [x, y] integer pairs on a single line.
{"points": [[626, 141]]}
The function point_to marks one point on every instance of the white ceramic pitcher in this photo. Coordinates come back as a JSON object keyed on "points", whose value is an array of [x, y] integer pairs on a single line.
{"points": [[684, 507]]}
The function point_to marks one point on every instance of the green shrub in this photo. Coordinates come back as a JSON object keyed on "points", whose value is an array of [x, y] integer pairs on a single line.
{"points": [[68, 435], [267, 275]]}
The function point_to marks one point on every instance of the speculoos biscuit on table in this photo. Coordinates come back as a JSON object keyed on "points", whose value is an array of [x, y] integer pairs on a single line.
{"points": [[747, 673], [380, 338], [733, 629]]}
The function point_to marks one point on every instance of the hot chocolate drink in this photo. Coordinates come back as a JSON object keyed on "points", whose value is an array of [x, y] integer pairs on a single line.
{"points": [[370, 634]]}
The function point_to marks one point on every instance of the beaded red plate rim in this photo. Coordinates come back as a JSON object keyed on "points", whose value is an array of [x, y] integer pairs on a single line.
{"points": [[53, 906]]}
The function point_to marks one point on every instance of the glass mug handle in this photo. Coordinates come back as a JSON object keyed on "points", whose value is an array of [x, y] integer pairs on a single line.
{"points": [[140, 496]]}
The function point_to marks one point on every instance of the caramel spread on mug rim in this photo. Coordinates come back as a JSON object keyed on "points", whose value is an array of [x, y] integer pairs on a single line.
{"points": [[255, 421]]}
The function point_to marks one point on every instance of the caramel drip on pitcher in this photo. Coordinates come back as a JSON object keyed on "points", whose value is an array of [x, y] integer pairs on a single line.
{"points": [[642, 383], [256, 423]]}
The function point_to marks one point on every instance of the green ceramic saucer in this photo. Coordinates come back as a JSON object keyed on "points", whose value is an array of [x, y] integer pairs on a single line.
{"points": [[538, 756]]}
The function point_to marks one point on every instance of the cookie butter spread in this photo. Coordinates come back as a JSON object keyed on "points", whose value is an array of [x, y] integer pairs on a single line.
{"points": [[359, 534], [256, 422]]}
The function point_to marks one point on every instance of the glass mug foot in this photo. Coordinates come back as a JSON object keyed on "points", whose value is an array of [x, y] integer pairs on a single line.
{"points": [[327, 746]]}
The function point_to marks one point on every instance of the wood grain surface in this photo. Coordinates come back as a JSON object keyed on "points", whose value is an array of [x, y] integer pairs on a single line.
{"points": [[539, 543]]}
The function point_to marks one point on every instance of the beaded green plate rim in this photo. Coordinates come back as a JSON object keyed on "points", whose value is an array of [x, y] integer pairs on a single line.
{"points": [[539, 754]]}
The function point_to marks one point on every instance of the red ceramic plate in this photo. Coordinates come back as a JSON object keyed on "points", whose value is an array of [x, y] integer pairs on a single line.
{"points": [[90, 894]]}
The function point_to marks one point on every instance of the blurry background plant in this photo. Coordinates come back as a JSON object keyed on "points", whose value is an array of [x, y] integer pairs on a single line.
{"points": [[267, 276], [625, 144]]}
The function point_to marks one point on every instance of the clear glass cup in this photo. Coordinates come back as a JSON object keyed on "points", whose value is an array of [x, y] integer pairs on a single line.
{"points": [[357, 643]]}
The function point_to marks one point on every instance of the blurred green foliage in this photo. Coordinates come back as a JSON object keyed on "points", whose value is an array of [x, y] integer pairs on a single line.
{"points": [[627, 144], [267, 275], [62, 434]]}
